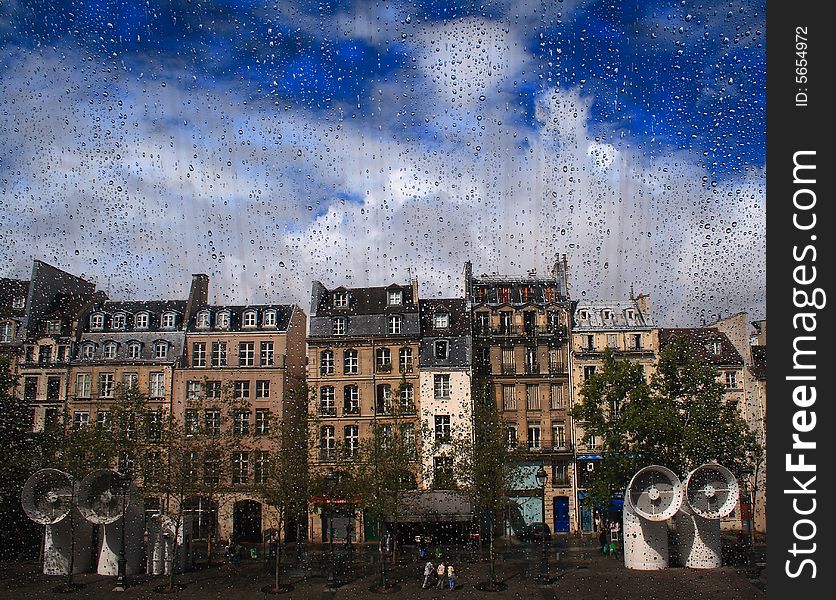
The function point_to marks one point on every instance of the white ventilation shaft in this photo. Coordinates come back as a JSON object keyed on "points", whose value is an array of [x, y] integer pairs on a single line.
{"points": [[711, 493], [160, 552], [100, 498], [653, 496], [47, 499]]}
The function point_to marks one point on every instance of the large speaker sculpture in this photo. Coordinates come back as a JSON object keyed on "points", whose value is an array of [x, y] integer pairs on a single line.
{"points": [[47, 499], [711, 493], [161, 553], [102, 498], [653, 496]]}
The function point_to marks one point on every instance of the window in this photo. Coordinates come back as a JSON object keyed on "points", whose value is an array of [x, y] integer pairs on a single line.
{"points": [[262, 421], [731, 379], [134, 351], [212, 421], [442, 428], [525, 294], [394, 297], [106, 385], [531, 364], [556, 398], [246, 354], [559, 435], [83, 385], [53, 326], [203, 319], [62, 353], [637, 341], [441, 320], [326, 362], [405, 360], [141, 321], [199, 354], [241, 422], [442, 349], [612, 340], [384, 399], [88, 351], [154, 425], [129, 380], [508, 361], [393, 324], [161, 350], [556, 363], [262, 388], [532, 397], [30, 389], [351, 400], [169, 320], [590, 343], [222, 322], [81, 419], [351, 435], [407, 399], [511, 435], [19, 302], [383, 360], [441, 386], [127, 425], [156, 385], [588, 372], [509, 397], [504, 293], [6, 332], [218, 354], [443, 472], [606, 314], [267, 354], [53, 389], [211, 468], [213, 389], [261, 466], [45, 354], [190, 466], [241, 389], [191, 422], [326, 442], [269, 318], [339, 326], [560, 475], [716, 347], [553, 320], [250, 318], [193, 389], [534, 435], [408, 436], [97, 321], [240, 467], [103, 420], [340, 299], [326, 401], [483, 322], [351, 364], [592, 441], [125, 461], [506, 319], [109, 350]]}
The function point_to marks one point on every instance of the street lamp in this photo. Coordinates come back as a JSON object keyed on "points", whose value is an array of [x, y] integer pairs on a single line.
{"points": [[124, 483], [541, 477], [331, 478]]}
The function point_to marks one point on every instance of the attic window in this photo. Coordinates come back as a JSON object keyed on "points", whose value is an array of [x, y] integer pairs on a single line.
{"points": [[716, 347], [441, 320], [341, 299], [53, 326], [203, 319], [630, 313], [118, 321], [394, 297], [270, 318], [583, 315], [223, 320], [606, 314], [97, 321], [169, 320], [141, 320], [250, 318]]}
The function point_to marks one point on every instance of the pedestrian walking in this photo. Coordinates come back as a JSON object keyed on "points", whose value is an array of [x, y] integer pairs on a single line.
{"points": [[429, 569], [602, 542], [437, 550], [441, 572], [451, 576]]}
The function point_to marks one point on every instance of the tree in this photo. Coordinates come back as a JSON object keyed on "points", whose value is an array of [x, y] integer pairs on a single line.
{"points": [[680, 420], [486, 468]]}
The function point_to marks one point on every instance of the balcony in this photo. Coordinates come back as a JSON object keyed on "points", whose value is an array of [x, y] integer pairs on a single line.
{"points": [[532, 368], [557, 368], [529, 331], [405, 367], [327, 411], [508, 369], [351, 410], [383, 368]]}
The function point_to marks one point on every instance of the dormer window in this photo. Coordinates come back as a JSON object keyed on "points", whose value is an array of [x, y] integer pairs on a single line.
{"points": [[110, 350], [88, 351], [606, 314], [394, 297], [53, 326], [19, 302], [118, 321], [203, 319], [341, 299], [97, 321], [270, 318], [6, 332], [161, 350], [716, 347], [441, 320], [583, 315], [222, 322], [169, 320], [442, 349], [630, 313], [134, 351], [339, 326], [141, 320], [394, 324], [250, 317]]}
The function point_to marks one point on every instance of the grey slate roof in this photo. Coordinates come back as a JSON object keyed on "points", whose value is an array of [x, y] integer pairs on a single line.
{"points": [[699, 341]]}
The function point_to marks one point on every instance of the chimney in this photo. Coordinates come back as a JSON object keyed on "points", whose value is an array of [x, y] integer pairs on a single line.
{"points": [[468, 277], [414, 282], [198, 295], [643, 302]]}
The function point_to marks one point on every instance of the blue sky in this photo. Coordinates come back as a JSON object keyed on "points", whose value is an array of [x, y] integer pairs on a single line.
{"points": [[298, 129]]}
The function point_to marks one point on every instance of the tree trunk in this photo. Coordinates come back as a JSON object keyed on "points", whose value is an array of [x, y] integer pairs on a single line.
{"points": [[278, 562], [491, 554], [382, 546]]}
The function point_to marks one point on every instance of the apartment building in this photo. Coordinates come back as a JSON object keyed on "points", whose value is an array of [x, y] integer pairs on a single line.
{"points": [[626, 329], [363, 348], [521, 330]]}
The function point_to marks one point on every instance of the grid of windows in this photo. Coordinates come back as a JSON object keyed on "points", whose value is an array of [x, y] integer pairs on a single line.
{"points": [[156, 385], [199, 354], [218, 354], [351, 400], [106, 385], [442, 428], [246, 354], [240, 467], [241, 422], [262, 421], [509, 397], [326, 362], [262, 388], [532, 397], [212, 421], [267, 354], [351, 363], [241, 389], [441, 386]]}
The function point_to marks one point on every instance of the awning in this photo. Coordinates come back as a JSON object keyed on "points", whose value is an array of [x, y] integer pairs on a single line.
{"points": [[590, 457], [436, 506], [325, 501]]}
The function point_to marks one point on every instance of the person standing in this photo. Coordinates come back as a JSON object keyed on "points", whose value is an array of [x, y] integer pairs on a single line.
{"points": [[441, 572], [451, 576], [429, 569]]}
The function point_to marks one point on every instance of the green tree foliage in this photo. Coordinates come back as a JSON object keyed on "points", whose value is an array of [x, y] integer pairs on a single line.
{"points": [[679, 419]]}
